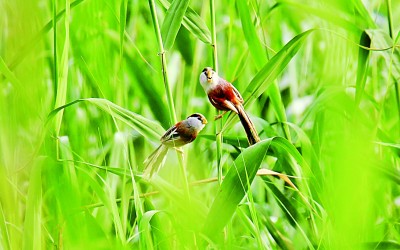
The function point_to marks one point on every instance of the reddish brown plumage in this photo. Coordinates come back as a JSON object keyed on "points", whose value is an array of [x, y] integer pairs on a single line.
{"points": [[224, 96]]}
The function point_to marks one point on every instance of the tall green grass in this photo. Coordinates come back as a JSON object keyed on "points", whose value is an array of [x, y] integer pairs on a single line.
{"points": [[88, 88]]}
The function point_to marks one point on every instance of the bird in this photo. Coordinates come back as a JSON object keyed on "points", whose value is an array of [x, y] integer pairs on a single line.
{"points": [[224, 96], [180, 134]]}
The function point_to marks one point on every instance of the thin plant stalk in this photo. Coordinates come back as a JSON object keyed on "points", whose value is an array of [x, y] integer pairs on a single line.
{"points": [[168, 90], [390, 24], [163, 62], [218, 126]]}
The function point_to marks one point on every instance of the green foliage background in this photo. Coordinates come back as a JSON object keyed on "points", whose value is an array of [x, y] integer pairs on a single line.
{"points": [[88, 87]]}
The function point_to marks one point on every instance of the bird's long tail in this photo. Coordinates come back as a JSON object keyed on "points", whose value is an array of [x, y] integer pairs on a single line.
{"points": [[155, 161], [251, 132]]}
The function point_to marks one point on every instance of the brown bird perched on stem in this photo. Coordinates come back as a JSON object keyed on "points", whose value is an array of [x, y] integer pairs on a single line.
{"points": [[224, 96], [178, 135]]}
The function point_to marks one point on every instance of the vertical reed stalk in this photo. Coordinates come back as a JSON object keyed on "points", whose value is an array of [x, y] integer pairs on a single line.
{"points": [[168, 90], [218, 126]]}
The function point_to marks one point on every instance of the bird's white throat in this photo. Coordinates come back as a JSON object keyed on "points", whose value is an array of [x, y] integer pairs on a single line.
{"points": [[208, 86], [195, 123]]}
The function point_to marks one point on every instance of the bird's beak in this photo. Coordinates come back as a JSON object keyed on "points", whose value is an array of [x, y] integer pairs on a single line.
{"points": [[205, 121], [209, 76]]}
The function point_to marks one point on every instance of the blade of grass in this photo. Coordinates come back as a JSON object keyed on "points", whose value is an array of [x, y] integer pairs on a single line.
{"points": [[144, 126], [27, 48], [5, 237], [172, 22], [363, 56], [8, 73], [62, 81], [270, 71], [33, 215], [233, 189], [234, 186], [193, 23]]}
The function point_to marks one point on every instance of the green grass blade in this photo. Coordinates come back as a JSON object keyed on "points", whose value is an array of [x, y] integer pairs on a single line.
{"points": [[33, 214], [256, 49], [27, 48], [331, 15], [63, 74], [363, 56], [193, 23], [270, 71], [172, 22], [273, 68], [4, 234], [234, 187], [8, 73], [144, 126], [122, 22]]}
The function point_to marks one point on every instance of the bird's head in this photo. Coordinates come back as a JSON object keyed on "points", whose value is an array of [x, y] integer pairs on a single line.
{"points": [[197, 121], [208, 78]]}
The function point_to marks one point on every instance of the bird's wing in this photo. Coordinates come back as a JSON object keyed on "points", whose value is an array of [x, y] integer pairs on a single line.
{"points": [[238, 95], [222, 104], [171, 134]]}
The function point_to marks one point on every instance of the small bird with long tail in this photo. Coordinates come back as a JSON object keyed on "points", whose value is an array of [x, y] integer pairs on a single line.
{"points": [[178, 135], [224, 96]]}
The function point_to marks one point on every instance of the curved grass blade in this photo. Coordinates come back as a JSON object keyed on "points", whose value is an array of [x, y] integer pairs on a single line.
{"points": [[27, 48], [331, 15], [61, 79], [233, 188], [363, 56], [193, 23], [8, 73], [144, 126], [173, 21], [255, 47], [270, 71], [243, 171]]}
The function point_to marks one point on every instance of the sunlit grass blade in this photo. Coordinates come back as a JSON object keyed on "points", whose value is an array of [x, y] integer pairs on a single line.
{"points": [[8, 73], [122, 21], [270, 71], [243, 171], [257, 51], [234, 187], [273, 68], [5, 238], [363, 56], [331, 15], [62, 80], [172, 22], [193, 23], [27, 48], [146, 127], [146, 241], [33, 221]]}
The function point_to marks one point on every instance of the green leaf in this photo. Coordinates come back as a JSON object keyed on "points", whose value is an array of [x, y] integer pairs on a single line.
{"points": [[27, 48], [265, 77], [62, 81], [144, 126], [234, 187], [193, 23], [381, 40], [8, 73], [331, 15], [363, 56], [33, 211], [254, 44], [172, 22], [273, 68]]}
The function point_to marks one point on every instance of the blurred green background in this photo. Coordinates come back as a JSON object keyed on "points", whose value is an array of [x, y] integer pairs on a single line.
{"points": [[320, 81]]}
